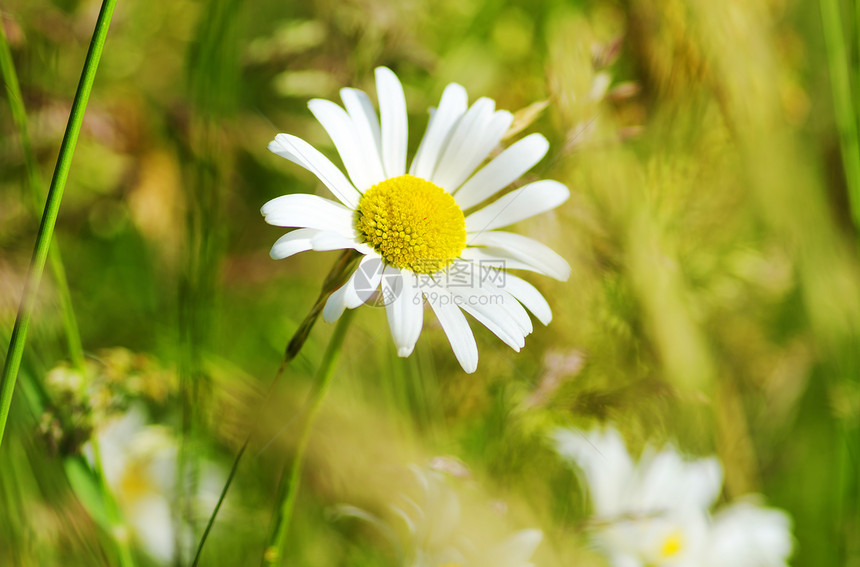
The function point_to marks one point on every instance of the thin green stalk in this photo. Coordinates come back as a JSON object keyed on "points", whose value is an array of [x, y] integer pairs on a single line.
{"points": [[844, 78], [19, 114], [856, 40], [337, 276], [35, 185], [843, 101], [49, 216], [275, 550], [43, 250], [218, 504], [213, 73]]}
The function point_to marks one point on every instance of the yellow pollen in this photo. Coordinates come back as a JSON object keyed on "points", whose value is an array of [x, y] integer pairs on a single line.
{"points": [[672, 544], [134, 483], [412, 223]]}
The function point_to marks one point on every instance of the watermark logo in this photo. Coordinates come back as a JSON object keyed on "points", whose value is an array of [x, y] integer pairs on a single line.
{"points": [[458, 278], [374, 286]]}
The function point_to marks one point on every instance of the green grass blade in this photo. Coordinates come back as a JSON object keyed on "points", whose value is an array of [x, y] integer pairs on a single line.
{"points": [[843, 101], [49, 216], [35, 185]]}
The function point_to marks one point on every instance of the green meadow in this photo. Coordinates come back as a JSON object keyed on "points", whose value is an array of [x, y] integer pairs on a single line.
{"points": [[712, 156]]}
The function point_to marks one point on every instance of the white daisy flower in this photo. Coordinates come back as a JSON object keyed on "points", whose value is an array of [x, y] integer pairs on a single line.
{"points": [[439, 537], [410, 225], [139, 461], [435, 534], [657, 512]]}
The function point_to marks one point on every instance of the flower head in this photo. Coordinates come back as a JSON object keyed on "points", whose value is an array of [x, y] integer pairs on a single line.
{"points": [[432, 533], [139, 460], [139, 463], [656, 511], [418, 243]]}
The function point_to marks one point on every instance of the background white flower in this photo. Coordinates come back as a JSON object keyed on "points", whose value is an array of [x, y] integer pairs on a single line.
{"points": [[140, 465], [657, 511], [413, 221], [514, 551], [432, 533]]}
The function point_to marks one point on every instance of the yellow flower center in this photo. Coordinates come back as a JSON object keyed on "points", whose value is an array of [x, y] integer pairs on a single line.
{"points": [[134, 483], [672, 544], [412, 223]]}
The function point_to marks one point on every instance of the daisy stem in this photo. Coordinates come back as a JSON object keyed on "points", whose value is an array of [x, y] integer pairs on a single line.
{"points": [[35, 185], [337, 277], [49, 215], [275, 550]]}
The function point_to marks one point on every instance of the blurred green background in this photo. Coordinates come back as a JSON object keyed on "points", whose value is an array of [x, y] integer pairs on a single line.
{"points": [[714, 295]]}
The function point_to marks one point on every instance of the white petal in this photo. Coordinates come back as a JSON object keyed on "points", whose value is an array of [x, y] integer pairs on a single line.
{"points": [[623, 558], [508, 332], [308, 211], [461, 142], [360, 287], [492, 313], [704, 481], [335, 304], [457, 330], [451, 107], [494, 258], [328, 240], [507, 302], [342, 132], [527, 201], [528, 295], [609, 470], [406, 312], [364, 281], [526, 250], [366, 125], [392, 109], [293, 242], [506, 168], [746, 535], [300, 152], [151, 519], [410, 524], [517, 312], [113, 437], [476, 134], [669, 482]]}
